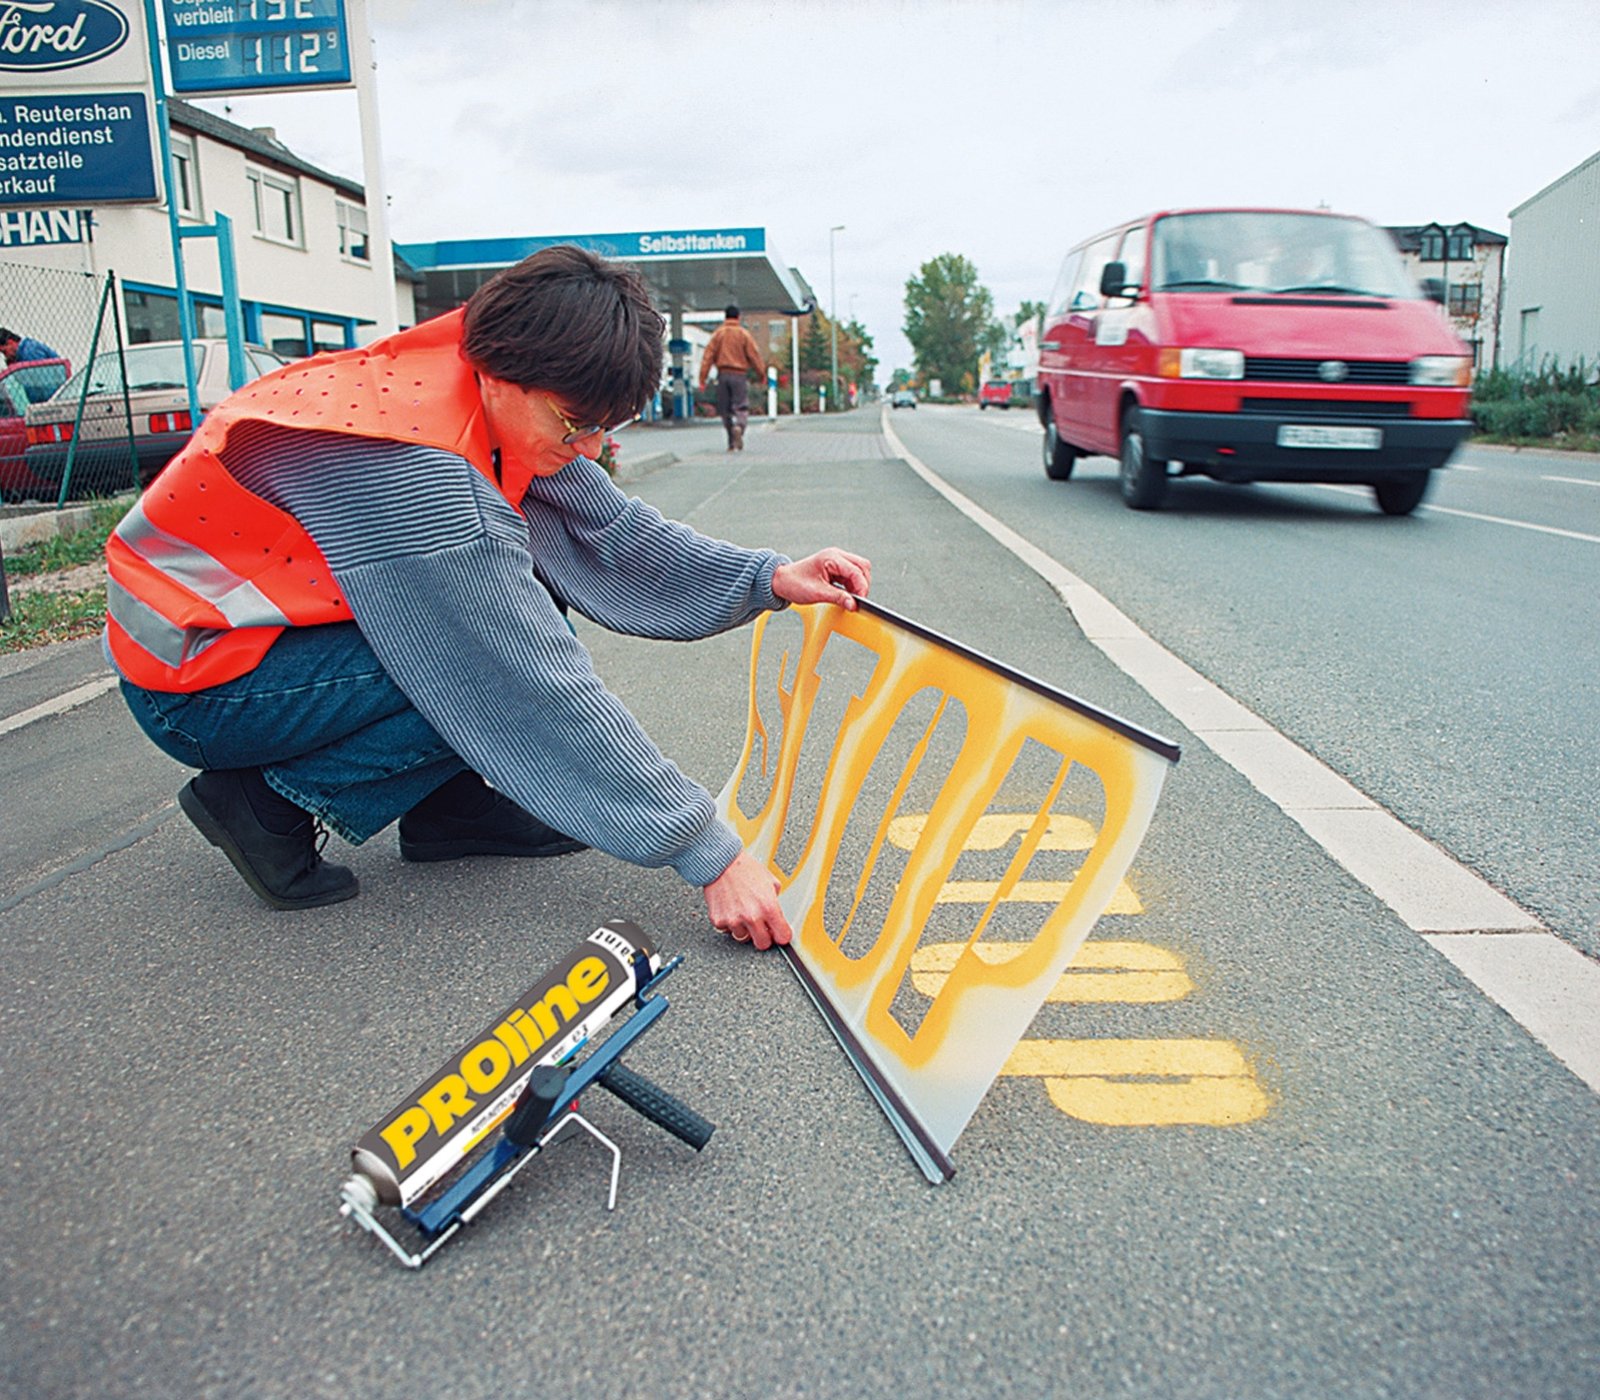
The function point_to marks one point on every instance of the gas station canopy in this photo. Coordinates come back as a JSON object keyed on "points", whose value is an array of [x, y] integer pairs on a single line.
{"points": [[690, 269]]}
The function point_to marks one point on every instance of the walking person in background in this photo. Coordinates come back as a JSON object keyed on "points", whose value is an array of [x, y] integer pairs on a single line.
{"points": [[733, 353]]}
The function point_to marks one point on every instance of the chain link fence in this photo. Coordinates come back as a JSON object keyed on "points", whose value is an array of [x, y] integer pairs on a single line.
{"points": [[66, 424]]}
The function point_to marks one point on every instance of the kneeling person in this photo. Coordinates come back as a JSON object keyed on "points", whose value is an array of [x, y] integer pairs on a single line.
{"points": [[344, 602]]}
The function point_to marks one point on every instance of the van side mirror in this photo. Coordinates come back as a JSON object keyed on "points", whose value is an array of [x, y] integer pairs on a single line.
{"points": [[1112, 279], [1433, 289]]}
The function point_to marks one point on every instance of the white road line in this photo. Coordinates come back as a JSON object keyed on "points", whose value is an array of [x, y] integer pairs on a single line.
{"points": [[1499, 946], [1468, 514], [79, 695], [1571, 480], [1518, 524]]}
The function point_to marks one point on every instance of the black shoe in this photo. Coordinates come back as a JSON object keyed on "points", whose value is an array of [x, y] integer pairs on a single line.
{"points": [[466, 817], [285, 869]]}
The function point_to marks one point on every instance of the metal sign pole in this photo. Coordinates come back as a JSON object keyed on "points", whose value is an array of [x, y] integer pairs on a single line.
{"points": [[180, 282], [364, 70]]}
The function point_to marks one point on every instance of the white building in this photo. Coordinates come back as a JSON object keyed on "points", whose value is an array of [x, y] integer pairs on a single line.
{"points": [[303, 263], [1470, 261], [1553, 296]]}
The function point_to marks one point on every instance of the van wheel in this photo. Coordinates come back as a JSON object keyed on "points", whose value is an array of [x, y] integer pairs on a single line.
{"points": [[1402, 495], [1143, 482], [1059, 457]]}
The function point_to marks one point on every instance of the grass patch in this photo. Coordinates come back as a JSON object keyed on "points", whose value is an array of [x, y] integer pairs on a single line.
{"points": [[83, 546], [1549, 407], [39, 618]]}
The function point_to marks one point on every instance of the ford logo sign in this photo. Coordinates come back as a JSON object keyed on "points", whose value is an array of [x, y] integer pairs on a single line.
{"points": [[40, 36], [1332, 371]]}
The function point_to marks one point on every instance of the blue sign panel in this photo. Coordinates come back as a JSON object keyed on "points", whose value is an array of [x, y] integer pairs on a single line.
{"points": [[665, 243], [78, 149], [223, 46], [48, 37]]}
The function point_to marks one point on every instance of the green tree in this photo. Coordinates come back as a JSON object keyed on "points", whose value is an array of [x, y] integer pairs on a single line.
{"points": [[948, 316], [855, 349], [815, 350], [1028, 311]]}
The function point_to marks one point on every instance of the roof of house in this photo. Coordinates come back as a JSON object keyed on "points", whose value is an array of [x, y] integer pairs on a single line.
{"points": [[259, 141], [1408, 237], [262, 143]]}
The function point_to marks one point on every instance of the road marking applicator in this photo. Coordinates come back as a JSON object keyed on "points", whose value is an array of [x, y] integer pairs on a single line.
{"points": [[520, 1074]]}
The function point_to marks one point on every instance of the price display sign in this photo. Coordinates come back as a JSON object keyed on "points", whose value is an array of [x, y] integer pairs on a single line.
{"points": [[243, 46]]}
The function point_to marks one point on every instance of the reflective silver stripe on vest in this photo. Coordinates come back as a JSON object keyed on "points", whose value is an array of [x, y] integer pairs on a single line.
{"points": [[168, 643], [236, 598]]}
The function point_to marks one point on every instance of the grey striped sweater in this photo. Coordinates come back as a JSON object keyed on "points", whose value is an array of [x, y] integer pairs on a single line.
{"points": [[455, 591]]}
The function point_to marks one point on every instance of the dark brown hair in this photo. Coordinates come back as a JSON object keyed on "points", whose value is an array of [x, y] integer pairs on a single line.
{"points": [[573, 324]]}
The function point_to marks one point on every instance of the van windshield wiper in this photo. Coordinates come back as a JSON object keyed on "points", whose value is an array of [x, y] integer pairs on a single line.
{"points": [[154, 384], [1328, 288], [1200, 282]]}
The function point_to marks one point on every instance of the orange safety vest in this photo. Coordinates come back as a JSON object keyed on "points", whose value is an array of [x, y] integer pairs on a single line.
{"points": [[205, 575]]}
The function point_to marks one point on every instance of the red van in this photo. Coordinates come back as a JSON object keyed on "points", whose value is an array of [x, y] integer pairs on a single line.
{"points": [[1249, 345]]}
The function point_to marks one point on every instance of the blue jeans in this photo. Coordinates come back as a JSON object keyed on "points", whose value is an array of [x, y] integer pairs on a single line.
{"points": [[322, 720]]}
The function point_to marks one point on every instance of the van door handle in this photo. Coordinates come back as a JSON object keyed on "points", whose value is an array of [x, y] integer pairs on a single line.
{"points": [[1049, 344]]}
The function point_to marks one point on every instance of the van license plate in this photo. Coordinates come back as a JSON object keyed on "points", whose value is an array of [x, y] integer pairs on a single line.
{"points": [[1316, 435]]}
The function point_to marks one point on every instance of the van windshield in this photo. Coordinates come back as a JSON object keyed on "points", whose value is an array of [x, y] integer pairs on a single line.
{"points": [[1241, 251]]}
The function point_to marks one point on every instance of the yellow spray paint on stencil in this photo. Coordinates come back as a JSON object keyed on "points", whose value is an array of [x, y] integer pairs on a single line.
{"points": [[943, 1066]]}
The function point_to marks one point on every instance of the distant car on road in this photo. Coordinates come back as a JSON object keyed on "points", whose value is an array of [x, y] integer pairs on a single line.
{"points": [[30, 381], [996, 393], [157, 409], [903, 398]]}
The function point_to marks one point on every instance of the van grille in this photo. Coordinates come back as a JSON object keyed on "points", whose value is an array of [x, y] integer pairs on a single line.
{"points": [[1329, 408], [1305, 371]]}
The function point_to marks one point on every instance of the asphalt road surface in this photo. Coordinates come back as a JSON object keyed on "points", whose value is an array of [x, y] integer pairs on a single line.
{"points": [[1282, 1147]]}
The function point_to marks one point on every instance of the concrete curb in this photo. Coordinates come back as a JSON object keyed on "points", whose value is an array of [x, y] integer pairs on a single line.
{"points": [[37, 526]]}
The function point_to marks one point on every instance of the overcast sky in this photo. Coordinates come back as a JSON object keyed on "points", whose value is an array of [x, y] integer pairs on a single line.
{"points": [[1004, 130]]}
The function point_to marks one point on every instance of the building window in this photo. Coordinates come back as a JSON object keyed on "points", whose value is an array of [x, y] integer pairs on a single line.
{"points": [[186, 177], [1528, 337], [285, 334], [150, 316], [210, 320], [1435, 245], [1466, 299], [353, 232], [277, 206], [328, 335]]}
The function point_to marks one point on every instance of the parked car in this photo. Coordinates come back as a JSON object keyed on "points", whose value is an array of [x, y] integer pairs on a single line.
{"points": [[996, 392], [28, 382], [903, 398], [1250, 345], [116, 442]]}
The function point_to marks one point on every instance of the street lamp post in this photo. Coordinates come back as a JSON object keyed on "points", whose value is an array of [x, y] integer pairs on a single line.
{"points": [[833, 314]]}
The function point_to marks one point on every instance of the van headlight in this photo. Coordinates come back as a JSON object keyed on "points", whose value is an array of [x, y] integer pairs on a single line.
{"points": [[1447, 371], [1197, 363]]}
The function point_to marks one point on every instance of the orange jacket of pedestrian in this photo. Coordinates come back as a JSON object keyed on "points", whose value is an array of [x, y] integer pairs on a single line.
{"points": [[733, 350]]}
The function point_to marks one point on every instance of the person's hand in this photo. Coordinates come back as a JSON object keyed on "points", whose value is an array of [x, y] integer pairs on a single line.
{"points": [[743, 901], [819, 577]]}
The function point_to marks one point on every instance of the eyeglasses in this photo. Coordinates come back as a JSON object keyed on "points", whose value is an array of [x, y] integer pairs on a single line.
{"points": [[575, 432]]}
